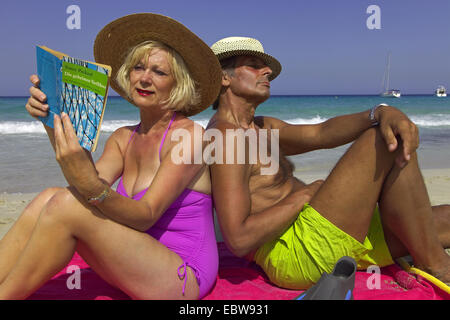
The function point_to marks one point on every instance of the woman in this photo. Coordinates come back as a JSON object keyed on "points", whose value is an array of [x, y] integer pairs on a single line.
{"points": [[153, 237]]}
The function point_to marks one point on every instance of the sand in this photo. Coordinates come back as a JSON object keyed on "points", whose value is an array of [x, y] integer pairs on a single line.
{"points": [[436, 180], [11, 206]]}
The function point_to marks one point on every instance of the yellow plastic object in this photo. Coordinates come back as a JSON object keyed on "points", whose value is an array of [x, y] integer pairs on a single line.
{"points": [[408, 268]]}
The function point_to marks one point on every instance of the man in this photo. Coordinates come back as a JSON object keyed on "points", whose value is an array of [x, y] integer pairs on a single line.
{"points": [[295, 231]]}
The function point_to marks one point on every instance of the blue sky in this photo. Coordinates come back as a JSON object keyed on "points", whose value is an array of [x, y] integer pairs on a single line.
{"points": [[324, 46]]}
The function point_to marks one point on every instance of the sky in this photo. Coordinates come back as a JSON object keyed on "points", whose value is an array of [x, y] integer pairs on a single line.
{"points": [[325, 46]]}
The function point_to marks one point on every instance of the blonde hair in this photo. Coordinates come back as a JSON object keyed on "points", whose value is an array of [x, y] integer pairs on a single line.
{"points": [[183, 95]]}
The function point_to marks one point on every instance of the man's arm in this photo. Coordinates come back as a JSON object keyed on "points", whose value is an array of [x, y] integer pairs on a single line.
{"points": [[337, 131], [297, 139], [244, 231]]}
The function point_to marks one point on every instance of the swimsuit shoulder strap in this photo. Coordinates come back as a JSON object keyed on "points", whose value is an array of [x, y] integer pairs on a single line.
{"points": [[132, 135], [164, 136], [134, 131]]}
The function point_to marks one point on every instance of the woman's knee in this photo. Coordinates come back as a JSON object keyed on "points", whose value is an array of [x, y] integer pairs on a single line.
{"points": [[33, 211], [48, 193], [36, 206], [58, 204], [45, 195]]}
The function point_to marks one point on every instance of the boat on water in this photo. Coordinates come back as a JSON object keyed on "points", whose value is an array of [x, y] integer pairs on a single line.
{"points": [[386, 91], [440, 91], [393, 93]]}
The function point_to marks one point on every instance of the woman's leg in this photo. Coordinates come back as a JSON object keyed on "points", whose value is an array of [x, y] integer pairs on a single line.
{"points": [[133, 261], [15, 240], [12, 244]]}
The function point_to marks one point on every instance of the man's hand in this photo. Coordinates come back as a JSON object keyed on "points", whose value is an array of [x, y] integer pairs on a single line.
{"points": [[395, 124], [305, 193]]}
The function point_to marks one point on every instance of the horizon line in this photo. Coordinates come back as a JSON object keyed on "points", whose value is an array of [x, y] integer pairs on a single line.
{"points": [[295, 95]]}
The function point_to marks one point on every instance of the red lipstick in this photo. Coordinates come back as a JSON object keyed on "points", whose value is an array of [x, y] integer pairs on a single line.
{"points": [[144, 93]]}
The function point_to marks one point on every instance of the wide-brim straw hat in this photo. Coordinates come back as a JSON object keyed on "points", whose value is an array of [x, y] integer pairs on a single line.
{"points": [[116, 39], [243, 46]]}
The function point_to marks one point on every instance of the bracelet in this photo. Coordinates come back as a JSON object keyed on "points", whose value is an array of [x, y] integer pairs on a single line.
{"points": [[372, 113], [100, 198]]}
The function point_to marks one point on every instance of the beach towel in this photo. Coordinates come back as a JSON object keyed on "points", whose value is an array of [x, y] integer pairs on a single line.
{"points": [[239, 279]]}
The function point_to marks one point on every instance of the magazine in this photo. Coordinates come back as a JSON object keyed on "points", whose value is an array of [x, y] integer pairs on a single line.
{"points": [[76, 87]]}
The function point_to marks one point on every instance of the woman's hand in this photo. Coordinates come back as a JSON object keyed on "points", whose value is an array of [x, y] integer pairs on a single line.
{"points": [[36, 105], [75, 162]]}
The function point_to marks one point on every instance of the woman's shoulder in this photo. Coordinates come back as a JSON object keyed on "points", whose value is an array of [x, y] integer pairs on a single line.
{"points": [[123, 134], [122, 131], [185, 129]]}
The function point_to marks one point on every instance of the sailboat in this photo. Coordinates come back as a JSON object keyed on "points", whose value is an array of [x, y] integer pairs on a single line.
{"points": [[387, 92]]}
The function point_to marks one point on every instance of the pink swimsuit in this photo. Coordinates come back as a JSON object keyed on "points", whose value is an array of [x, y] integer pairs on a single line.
{"points": [[187, 228]]}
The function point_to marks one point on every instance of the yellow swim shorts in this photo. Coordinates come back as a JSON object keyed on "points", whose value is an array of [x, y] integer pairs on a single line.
{"points": [[312, 245]]}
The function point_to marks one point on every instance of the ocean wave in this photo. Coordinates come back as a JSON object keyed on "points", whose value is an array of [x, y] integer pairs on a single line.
{"points": [[27, 127], [113, 125], [314, 120], [434, 120], [30, 127], [20, 127], [425, 121]]}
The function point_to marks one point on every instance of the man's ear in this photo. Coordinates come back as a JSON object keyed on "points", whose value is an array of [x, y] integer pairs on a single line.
{"points": [[226, 78]]}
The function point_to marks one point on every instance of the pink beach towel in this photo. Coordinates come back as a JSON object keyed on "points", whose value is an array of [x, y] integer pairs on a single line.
{"points": [[239, 279]]}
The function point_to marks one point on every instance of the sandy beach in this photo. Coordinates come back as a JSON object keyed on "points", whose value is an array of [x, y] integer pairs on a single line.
{"points": [[437, 182]]}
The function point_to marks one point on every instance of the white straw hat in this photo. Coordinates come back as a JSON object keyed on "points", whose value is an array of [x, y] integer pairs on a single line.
{"points": [[241, 46]]}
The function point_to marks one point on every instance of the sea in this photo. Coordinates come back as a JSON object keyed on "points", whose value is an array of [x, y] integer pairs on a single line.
{"points": [[27, 160]]}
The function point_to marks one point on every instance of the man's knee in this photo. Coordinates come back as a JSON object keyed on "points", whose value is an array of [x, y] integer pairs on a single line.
{"points": [[373, 140], [372, 134]]}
